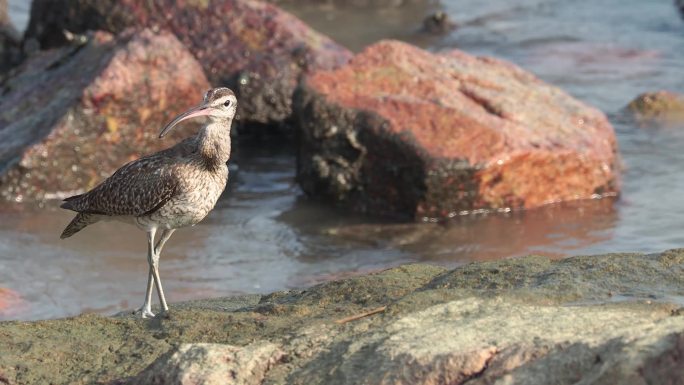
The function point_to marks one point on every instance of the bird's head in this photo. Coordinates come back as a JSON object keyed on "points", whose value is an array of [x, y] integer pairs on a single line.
{"points": [[219, 104]]}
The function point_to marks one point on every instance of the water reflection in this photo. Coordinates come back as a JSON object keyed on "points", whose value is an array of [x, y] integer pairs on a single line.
{"points": [[556, 230]]}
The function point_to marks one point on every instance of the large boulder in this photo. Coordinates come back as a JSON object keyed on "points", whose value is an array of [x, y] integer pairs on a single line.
{"points": [[71, 116], [405, 132], [254, 47], [658, 108]]}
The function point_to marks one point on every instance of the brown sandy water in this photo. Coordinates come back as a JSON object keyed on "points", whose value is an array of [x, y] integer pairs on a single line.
{"points": [[264, 235]]}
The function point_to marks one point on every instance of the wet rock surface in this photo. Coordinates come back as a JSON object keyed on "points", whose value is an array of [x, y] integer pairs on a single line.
{"points": [[531, 320], [255, 48], [661, 108], [404, 132], [71, 116]]}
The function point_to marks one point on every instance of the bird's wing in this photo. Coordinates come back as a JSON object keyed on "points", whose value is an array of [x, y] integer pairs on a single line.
{"points": [[138, 188]]}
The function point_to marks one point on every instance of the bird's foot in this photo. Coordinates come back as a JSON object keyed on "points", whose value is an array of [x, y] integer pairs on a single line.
{"points": [[144, 313]]}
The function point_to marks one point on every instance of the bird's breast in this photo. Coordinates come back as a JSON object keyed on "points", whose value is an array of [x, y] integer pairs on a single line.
{"points": [[196, 195]]}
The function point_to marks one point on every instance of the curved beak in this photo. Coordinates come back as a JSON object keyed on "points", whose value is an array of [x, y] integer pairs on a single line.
{"points": [[201, 110]]}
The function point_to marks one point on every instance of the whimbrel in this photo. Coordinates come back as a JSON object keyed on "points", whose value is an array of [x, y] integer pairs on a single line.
{"points": [[167, 190]]}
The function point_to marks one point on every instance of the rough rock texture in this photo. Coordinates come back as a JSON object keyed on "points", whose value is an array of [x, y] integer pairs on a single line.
{"points": [[608, 319], [660, 108], [402, 131], [10, 41], [255, 48], [71, 116], [211, 364]]}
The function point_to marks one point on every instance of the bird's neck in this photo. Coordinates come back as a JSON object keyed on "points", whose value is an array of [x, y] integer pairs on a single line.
{"points": [[214, 143]]}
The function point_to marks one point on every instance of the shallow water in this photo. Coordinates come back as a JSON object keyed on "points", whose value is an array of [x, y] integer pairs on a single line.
{"points": [[264, 235]]}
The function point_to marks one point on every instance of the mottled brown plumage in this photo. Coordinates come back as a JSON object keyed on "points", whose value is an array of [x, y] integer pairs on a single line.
{"points": [[167, 190]]}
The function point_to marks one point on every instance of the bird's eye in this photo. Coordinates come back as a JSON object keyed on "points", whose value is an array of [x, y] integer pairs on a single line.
{"points": [[227, 103]]}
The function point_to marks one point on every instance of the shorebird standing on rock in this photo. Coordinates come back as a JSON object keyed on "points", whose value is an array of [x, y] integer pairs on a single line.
{"points": [[167, 190]]}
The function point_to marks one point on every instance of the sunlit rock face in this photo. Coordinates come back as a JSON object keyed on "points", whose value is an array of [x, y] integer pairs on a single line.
{"points": [[70, 116], [256, 48], [405, 132]]}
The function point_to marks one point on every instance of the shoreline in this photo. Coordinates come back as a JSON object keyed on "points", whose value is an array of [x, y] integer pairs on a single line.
{"points": [[528, 320]]}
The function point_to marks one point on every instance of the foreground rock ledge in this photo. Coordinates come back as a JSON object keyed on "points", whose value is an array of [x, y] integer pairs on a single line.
{"points": [[405, 132], [71, 116], [605, 319]]}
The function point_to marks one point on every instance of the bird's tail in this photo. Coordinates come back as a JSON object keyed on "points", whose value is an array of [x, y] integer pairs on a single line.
{"points": [[77, 224]]}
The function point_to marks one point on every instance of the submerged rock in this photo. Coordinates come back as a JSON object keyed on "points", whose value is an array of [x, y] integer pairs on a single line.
{"points": [[71, 116], [659, 108], [255, 48], [438, 23], [405, 132], [603, 319], [680, 5]]}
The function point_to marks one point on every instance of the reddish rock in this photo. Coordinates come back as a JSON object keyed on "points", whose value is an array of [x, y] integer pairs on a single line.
{"points": [[405, 132], [71, 116], [11, 303], [255, 48], [659, 108]]}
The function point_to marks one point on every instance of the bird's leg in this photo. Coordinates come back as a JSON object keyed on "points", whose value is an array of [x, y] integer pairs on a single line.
{"points": [[162, 240], [146, 309], [155, 267]]}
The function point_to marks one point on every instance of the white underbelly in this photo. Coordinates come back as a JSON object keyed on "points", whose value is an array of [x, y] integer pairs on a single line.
{"points": [[184, 210]]}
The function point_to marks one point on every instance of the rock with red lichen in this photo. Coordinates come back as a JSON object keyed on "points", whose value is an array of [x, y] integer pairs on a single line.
{"points": [[401, 131], [255, 48], [661, 108], [71, 116]]}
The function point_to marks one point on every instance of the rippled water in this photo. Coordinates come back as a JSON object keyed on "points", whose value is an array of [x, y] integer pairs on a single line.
{"points": [[264, 235]]}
